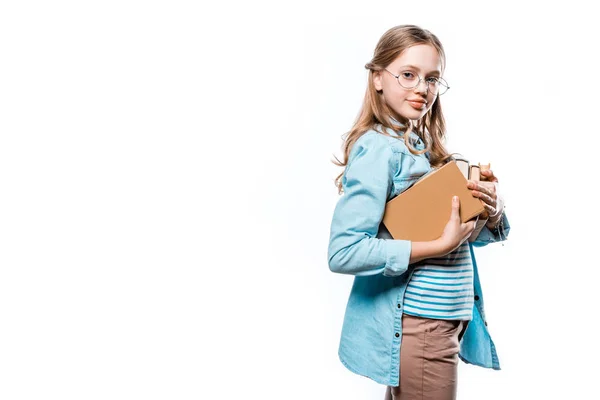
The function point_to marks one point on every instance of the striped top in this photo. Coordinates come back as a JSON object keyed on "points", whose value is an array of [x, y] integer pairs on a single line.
{"points": [[442, 288]]}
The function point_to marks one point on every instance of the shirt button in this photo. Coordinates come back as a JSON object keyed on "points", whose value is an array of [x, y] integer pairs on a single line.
{"points": [[397, 335], [485, 322], [476, 297], [399, 306]]}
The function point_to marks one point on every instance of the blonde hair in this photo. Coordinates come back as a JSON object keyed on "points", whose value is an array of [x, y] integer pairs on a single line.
{"points": [[375, 113]]}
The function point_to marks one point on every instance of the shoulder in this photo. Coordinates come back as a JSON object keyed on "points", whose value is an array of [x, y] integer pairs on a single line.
{"points": [[373, 142], [393, 145], [373, 151]]}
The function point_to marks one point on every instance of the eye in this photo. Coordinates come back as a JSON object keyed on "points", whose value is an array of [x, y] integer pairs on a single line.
{"points": [[433, 80], [407, 75]]}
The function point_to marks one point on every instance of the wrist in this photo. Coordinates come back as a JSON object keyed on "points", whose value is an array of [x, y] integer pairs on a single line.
{"points": [[429, 249], [493, 225], [495, 219], [441, 247]]}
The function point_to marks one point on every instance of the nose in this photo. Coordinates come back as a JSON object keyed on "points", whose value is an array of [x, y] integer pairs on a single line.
{"points": [[425, 87]]}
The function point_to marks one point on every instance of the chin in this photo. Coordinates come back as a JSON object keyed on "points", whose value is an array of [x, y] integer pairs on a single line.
{"points": [[413, 114]]}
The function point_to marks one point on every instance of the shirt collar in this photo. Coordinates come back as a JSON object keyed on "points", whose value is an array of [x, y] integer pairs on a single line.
{"points": [[413, 137]]}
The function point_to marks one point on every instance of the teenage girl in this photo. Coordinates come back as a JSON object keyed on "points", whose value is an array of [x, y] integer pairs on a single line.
{"points": [[414, 307]]}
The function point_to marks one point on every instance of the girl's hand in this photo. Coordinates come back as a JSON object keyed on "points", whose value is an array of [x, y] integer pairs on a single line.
{"points": [[455, 231], [489, 175], [487, 192]]}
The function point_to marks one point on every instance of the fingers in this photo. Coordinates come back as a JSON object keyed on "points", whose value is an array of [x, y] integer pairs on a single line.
{"points": [[490, 209], [487, 195], [486, 199], [489, 175], [455, 208], [485, 187], [470, 226]]}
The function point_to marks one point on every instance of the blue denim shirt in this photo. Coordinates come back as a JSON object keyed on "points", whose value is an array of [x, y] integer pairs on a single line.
{"points": [[379, 168]]}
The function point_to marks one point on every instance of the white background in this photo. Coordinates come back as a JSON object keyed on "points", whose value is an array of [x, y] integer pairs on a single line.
{"points": [[166, 193]]}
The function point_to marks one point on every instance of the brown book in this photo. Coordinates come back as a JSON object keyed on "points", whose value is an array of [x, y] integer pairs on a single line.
{"points": [[464, 166], [472, 171], [475, 173], [421, 212]]}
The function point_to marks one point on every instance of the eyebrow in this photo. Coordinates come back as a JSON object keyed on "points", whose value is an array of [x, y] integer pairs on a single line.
{"points": [[418, 69]]}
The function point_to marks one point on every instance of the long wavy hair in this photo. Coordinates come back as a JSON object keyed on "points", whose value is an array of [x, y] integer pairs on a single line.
{"points": [[375, 114]]}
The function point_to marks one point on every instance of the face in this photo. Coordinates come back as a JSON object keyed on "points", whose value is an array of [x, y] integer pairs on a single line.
{"points": [[422, 60]]}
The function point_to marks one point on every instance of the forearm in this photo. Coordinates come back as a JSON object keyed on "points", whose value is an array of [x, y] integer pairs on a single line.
{"points": [[423, 250]]}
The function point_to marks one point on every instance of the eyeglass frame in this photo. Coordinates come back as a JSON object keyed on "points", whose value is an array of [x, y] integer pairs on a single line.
{"points": [[420, 80]]}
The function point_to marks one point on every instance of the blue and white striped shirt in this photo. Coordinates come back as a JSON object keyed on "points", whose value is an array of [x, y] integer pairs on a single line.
{"points": [[442, 288]]}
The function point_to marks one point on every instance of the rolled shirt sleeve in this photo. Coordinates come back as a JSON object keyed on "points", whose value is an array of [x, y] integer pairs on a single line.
{"points": [[353, 246], [487, 236]]}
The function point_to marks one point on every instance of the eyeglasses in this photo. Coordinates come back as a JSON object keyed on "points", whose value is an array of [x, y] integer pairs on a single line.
{"points": [[410, 80]]}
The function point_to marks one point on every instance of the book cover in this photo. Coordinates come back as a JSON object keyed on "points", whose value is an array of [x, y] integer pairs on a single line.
{"points": [[421, 212]]}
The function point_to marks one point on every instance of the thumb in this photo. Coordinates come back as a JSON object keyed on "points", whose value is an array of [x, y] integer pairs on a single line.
{"points": [[455, 208]]}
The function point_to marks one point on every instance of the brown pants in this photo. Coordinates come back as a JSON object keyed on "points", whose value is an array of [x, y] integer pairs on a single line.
{"points": [[428, 359]]}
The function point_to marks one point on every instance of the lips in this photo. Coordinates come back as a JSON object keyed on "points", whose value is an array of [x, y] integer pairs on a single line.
{"points": [[417, 103]]}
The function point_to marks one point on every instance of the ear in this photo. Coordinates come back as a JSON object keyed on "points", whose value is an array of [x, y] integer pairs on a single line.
{"points": [[377, 80]]}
